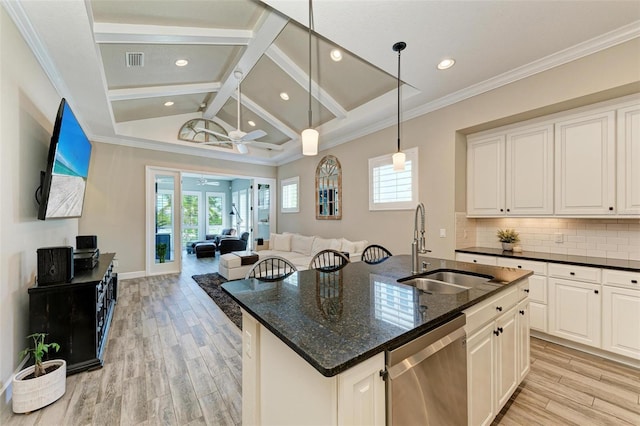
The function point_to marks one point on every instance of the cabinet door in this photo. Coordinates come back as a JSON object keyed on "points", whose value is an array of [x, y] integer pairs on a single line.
{"points": [[621, 321], [529, 171], [629, 160], [486, 176], [585, 165], [524, 344], [538, 316], [361, 394], [506, 350], [480, 376], [575, 311]]}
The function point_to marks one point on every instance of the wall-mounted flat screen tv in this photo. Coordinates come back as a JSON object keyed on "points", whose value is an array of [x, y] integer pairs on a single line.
{"points": [[63, 184]]}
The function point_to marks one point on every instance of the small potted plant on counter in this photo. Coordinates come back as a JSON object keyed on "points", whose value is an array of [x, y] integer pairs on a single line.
{"points": [[508, 237], [42, 383]]}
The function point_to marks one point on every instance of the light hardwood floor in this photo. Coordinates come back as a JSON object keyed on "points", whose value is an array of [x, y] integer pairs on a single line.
{"points": [[173, 359]]}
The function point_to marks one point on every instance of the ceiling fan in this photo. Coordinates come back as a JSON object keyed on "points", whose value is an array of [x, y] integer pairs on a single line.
{"points": [[237, 137], [203, 181]]}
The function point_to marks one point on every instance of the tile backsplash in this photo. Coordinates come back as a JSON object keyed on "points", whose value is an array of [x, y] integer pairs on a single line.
{"points": [[608, 238]]}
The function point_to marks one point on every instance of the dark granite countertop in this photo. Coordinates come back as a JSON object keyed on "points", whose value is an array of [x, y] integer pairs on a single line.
{"points": [[338, 319], [598, 262]]}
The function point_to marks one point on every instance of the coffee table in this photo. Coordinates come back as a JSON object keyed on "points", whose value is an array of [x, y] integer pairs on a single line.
{"points": [[235, 265]]}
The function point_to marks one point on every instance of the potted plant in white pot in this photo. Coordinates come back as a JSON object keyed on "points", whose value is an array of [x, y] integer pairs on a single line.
{"points": [[508, 237], [42, 383]]}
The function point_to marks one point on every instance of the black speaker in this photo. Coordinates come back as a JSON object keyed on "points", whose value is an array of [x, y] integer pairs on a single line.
{"points": [[86, 241], [55, 265]]}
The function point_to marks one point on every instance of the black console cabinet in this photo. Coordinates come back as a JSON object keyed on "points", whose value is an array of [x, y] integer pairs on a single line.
{"points": [[77, 314]]}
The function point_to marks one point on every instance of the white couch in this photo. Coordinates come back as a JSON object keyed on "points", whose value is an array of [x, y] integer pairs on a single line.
{"points": [[296, 248]]}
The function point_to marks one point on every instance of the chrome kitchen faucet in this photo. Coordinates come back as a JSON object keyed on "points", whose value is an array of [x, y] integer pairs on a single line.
{"points": [[418, 246]]}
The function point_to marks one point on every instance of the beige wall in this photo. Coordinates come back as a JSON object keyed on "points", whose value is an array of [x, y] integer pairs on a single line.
{"points": [[114, 208], [442, 150], [28, 106]]}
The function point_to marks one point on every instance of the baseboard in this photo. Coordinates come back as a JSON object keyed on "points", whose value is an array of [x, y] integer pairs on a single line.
{"points": [[588, 349], [6, 392], [131, 275]]}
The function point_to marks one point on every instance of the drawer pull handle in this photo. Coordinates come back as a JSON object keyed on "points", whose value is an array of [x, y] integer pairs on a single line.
{"points": [[572, 273], [500, 329], [520, 266], [596, 291], [526, 290], [634, 281], [475, 261], [499, 308], [611, 209], [521, 312], [496, 332]]}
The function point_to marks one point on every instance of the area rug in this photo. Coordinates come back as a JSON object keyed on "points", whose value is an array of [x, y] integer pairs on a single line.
{"points": [[211, 284]]}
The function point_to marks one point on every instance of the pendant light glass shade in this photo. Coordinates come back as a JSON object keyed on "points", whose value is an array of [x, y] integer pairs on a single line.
{"points": [[310, 135], [310, 142], [399, 159]]}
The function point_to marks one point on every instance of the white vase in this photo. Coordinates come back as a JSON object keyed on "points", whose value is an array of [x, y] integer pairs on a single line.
{"points": [[33, 394], [507, 246]]}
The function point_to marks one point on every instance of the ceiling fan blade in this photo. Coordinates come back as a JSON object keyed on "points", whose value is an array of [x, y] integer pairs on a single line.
{"points": [[211, 132], [265, 145], [256, 134], [216, 143]]}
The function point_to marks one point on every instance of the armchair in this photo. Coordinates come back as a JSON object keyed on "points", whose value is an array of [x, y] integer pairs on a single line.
{"points": [[225, 233], [227, 245]]}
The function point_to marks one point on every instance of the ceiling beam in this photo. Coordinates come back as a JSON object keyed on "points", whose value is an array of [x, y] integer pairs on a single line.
{"points": [[160, 34], [270, 25], [268, 117], [302, 78], [159, 91]]}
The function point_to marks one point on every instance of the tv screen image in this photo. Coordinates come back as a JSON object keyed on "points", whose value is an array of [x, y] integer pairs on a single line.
{"points": [[65, 180]]}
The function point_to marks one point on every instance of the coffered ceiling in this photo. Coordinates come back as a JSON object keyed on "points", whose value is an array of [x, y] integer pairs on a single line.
{"points": [[83, 46]]}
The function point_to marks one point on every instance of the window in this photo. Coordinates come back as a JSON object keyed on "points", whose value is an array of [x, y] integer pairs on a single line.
{"points": [[164, 219], [391, 190], [290, 195], [190, 216], [215, 213]]}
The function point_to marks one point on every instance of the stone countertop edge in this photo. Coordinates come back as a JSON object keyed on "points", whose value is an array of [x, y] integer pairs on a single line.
{"points": [[515, 276], [597, 262]]}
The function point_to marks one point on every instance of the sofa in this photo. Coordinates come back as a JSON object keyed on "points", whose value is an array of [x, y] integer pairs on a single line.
{"points": [[296, 248], [229, 244]]}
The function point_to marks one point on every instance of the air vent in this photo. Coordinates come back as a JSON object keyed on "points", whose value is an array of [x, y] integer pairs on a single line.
{"points": [[135, 59]]}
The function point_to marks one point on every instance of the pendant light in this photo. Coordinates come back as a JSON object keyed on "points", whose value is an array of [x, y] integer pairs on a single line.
{"points": [[310, 135], [399, 157]]}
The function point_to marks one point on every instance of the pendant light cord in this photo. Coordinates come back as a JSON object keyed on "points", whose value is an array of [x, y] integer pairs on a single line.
{"points": [[399, 50], [310, 27]]}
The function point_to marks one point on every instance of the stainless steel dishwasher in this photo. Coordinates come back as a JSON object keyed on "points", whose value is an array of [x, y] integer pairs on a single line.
{"points": [[427, 378]]}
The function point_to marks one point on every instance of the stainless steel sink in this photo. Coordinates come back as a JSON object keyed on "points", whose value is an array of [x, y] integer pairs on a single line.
{"points": [[434, 286], [446, 281]]}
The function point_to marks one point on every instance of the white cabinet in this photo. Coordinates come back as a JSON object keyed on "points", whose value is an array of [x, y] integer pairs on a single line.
{"points": [[628, 160], [524, 341], [575, 311], [511, 173], [621, 313], [529, 171], [486, 176], [495, 363], [476, 258], [585, 164], [361, 394], [537, 289]]}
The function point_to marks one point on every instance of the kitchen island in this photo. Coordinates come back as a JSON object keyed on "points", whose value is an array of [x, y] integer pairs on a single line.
{"points": [[314, 343]]}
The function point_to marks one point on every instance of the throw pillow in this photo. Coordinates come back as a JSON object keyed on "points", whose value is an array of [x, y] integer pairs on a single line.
{"points": [[348, 246], [320, 244], [302, 244], [281, 242]]}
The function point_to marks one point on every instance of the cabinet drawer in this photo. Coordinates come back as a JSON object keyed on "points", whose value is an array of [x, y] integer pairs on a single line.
{"points": [[476, 258], [539, 268], [489, 309], [621, 278], [574, 272]]}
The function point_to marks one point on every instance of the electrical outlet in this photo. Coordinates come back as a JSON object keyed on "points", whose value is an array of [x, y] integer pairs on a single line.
{"points": [[559, 237], [443, 233]]}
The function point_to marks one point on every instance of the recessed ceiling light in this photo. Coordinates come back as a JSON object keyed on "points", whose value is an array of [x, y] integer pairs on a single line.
{"points": [[181, 62], [284, 96], [446, 63], [336, 55], [251, 123], [168, 103]]}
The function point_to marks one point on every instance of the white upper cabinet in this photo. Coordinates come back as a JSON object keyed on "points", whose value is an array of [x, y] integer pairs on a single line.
{"points": [[486, 176], [529, 171], [629, 160], [585, 165]]}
